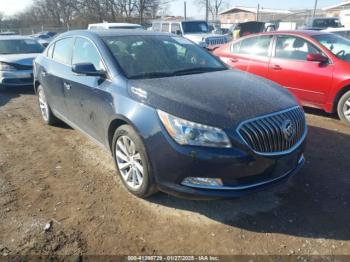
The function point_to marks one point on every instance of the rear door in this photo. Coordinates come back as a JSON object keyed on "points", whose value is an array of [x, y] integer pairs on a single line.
{"points": [[57, 72], [252, 54], [309, 81]]}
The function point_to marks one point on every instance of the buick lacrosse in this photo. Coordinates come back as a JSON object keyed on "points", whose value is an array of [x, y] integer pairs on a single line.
{"points": [[175, 118]]}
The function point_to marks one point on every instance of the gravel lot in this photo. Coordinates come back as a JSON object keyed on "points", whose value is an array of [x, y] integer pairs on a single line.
{"points": [[55, 177]]}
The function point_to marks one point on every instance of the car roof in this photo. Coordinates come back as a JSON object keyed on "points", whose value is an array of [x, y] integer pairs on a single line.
{"points": [[114, 24], [296, 32], [15, 37], [177, 21], [110, 32], [339, 29]]}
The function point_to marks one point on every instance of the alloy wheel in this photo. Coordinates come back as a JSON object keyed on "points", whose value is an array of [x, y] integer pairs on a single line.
{"points": [[44, 108], [346, 109], [129, 162]]}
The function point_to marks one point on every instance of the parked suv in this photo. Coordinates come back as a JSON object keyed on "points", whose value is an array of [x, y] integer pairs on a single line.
{"points": [[196, 31], [320, 23], [175, 118]]}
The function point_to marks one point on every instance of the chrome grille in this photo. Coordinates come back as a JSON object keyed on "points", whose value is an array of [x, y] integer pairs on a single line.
{"points": [[216, 40], [274, 133]]}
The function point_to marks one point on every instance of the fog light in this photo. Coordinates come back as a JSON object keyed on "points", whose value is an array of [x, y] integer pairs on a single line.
{"points": [[202, 181]]}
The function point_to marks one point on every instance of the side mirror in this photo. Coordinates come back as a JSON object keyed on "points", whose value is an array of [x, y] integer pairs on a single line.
{"points": [[317, 58], [87, 69]]}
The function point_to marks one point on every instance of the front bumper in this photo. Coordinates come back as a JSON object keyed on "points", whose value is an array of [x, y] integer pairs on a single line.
{"points": [[16, 78], [241, 170], [207, 192]]}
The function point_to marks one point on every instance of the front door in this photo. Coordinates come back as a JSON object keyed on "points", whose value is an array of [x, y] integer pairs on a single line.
{"points": [[87, 97], [309, 81]]}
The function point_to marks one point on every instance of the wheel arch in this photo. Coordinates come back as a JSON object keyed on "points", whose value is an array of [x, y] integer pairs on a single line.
{"points": [[338, 96], [36, 85], [114, 124]]}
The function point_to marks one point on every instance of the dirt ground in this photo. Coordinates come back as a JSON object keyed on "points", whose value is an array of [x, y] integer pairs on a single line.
{"points": [[56, 178]]}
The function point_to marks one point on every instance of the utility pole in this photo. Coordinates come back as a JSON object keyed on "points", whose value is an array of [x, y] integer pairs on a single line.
{"points": [[207, 10], [185, 11], [315, 7], [257, 13]]}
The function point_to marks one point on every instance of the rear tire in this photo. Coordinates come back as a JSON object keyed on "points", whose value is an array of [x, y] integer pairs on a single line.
{"points": [[344, 108], [45, 110], [132, 162]]}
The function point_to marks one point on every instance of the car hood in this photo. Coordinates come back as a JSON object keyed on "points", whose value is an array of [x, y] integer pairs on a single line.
{"points": [[223, 99], [19, 59]]}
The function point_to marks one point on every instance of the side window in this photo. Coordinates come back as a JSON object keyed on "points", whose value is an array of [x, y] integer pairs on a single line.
{"points": [[294, 48], [156, 27], [165, 27], [235, 47], [63, 51], [49, 51], [175, 28], [256, 46], [85, 52]]}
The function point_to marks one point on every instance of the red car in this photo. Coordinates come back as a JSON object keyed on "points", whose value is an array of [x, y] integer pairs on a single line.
{"points": [[313, 65]]}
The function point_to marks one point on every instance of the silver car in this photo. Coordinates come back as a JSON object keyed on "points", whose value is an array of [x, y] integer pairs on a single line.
{"points": [[16, 60]]}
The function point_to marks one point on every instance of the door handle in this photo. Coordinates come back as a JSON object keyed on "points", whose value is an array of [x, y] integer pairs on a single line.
{"points": [[276, 67], [234, 60], [67, 86], [43, 73]]}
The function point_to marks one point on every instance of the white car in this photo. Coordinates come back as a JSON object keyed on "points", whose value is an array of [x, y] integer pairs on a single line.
{"points": [[107, 26]]}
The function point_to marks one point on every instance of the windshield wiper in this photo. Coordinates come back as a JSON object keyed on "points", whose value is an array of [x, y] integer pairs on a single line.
{"points": [[151, 75], [197, 70]]}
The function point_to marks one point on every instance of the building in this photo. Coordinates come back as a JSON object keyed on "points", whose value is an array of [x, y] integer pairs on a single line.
{"points": [[241, 14], [334, 10]]}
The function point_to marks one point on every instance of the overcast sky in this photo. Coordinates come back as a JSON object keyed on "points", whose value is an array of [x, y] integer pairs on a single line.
{"points": [[10, 7]]}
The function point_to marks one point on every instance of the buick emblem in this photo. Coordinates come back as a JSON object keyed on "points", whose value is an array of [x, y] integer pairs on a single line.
{"points": [[288, 130]]}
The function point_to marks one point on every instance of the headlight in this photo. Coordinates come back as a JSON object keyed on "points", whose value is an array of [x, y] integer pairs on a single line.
{"points": [[189, 133], [6, 67]]}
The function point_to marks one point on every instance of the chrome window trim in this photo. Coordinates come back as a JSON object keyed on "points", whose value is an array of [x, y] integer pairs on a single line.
{"points": [[269, 115]]}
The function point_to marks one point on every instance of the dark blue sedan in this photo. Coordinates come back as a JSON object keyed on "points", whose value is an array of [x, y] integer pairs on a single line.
{"points": [[175, 118]]}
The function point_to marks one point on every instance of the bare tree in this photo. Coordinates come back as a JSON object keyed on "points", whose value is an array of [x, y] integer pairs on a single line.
{"points": [[214, 7]]}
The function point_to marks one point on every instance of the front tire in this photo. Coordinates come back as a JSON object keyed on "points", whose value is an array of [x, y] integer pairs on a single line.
{"points": [[45, 110], [344, 108], [132, 162]]}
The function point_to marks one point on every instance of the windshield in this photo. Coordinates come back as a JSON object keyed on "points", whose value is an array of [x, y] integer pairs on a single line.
{"points": [[195, 27], [338, 45], [160, 56], [20, 46], [325, 23]]}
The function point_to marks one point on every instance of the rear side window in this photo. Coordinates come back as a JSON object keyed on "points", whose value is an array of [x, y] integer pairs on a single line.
{"points": [[86, 52], [63, 51], [294, 48], [235, 47], [165, 27], [256, 46]]}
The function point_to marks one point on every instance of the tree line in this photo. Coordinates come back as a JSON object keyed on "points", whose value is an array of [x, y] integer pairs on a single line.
{"points": [[75, 13]]}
